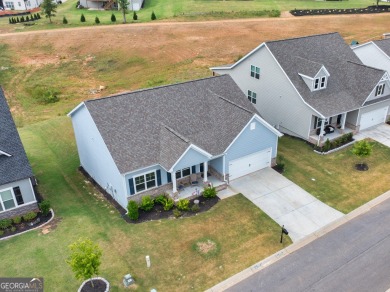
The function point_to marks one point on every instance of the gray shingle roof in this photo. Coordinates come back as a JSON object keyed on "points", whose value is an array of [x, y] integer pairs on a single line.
{"points": [[155, 126], [384, 45], [16, 167], [350, 82], [307, 67]]}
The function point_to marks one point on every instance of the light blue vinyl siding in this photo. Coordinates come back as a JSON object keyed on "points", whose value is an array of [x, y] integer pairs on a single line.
{"points": [[192, 157], [95, 157], [217, 164], [251, 141], [25, 188], [143, 171]]}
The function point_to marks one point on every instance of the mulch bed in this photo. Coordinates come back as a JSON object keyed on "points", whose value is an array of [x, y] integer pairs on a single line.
{"points": [[98, 286], [361, 167], [158, 212], [367, 10], [24, 226]]}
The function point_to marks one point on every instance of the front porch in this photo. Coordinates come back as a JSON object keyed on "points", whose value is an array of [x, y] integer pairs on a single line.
{"points": [[320, 140]]}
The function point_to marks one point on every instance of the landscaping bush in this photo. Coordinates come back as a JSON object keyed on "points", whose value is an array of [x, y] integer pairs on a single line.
{"points": [[82, 18], [39, 16], [132, 209], [13, 228], [17, 219], [280, 164], [97, 20], [5, 223], [64, 20], [183, 205], [29, 216], [1, 232], [153, 16], [135, 16], [44, 206], [326, 146], [168, 204], [44, 95], [160, 199], [147, 203], [113, 18], [195, 208], [209, 192], [176, 213]]}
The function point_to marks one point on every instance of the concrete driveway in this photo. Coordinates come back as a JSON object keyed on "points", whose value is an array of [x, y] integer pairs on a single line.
{"points": [[379, 133], [285, 202]]}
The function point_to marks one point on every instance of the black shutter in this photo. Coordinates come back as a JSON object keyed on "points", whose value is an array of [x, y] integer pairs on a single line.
{"points": [[193, 169], [158, 173], [18, 196], [383, 88], [315, 122], [201, 167], [131, 185], [169, 177]]}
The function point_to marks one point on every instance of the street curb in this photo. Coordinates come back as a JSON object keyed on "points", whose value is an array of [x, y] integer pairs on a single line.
{"points": [[222, 286]]}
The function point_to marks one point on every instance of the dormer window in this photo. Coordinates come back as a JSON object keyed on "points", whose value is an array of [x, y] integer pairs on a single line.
{"points": [[380, 89], [320, 83], [255, 72]]}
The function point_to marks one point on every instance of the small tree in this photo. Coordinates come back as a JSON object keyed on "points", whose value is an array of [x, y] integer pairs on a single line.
{"points": [[64, 20], [153, 16], [132, 210], [135, 16], [48, 7], [97, 20], [82, 17], [39, 16], [123, 7], [362, 149], [113, 18], [84, 259]]}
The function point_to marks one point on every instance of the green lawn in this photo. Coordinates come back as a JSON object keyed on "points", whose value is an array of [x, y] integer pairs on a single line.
{"points": [[332, 178], [245, 234]]}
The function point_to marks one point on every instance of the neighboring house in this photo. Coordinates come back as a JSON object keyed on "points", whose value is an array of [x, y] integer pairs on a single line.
{"points": [[375, 54], [310, 86], [134, 5], [17, 195], [21, 4], [148, 141]]}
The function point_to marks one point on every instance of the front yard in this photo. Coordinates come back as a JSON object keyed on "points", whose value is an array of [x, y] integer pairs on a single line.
{"points": [[333, 178], [243, 233]]}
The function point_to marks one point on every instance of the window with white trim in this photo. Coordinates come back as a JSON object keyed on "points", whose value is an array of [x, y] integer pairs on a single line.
{"points": [[7, 200], [9, 5], [318, 122], [252, 96], [380, 89], [183, 172], [319, 83], [145, 181], [255, 72]]}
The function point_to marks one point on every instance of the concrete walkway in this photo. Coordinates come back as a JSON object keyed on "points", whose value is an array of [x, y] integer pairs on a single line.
{"points": [[285, 202], [379, 133]]}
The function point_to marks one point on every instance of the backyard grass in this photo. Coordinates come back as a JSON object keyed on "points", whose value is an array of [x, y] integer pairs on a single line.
{"points": [[243, 233], [332, 178]]}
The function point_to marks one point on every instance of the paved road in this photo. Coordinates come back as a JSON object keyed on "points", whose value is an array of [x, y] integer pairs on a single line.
{"points": [[353, 257]]}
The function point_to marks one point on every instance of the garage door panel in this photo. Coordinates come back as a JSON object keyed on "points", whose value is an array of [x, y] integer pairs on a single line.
{"points": [[250, 163], [373, 118]]}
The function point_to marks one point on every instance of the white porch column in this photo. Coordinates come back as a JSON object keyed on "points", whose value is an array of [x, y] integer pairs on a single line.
{"points": [[322, 127], [205, 169], [343, 119], [173, 176]]}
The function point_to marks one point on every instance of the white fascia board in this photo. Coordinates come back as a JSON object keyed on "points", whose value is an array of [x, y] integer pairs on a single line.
{"points": [[5, 153], [75, 109], [305, 76], [380, 50], [285, 74], [239, 61], [323, 69], [194, 147], [139, 169], [362, 45]]}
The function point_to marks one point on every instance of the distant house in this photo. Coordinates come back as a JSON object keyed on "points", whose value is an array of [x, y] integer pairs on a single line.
{"points": [[17, 195], [134, 5], [375, 54], [151, 141], [20, 4], [312, 87]]}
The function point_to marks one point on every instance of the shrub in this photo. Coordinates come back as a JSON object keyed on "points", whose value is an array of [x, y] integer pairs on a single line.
{"points": [[29, 216], [44, 95], [45, 207], [22, 19], [153, 16], [97, 20], [132, 209], [1, 232], [82, 18], [176, 213], [13, 228], [17, 219], [349, 137], [35, 17], [209, 192], [147, 203], [113, 18], [195, 208], [135, 16], [183, 205], [27, 18], [326, 146], [17, 19], [280, 164], [168, 204], [5, 223], [39, 16], [64, 20]]}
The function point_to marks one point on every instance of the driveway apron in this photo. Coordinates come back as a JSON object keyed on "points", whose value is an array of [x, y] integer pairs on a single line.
{"points": [[285, 202], [379, 133]]}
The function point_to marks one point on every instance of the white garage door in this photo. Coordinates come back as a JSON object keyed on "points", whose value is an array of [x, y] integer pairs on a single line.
{"points": [[373, 118], [250, 163]]}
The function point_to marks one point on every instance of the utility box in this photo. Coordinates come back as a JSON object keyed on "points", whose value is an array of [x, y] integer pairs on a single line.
{"points": [[128, 280]]}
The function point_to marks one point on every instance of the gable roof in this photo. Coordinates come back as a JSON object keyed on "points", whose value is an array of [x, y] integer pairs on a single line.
{"points": [[384, 45], [350, 82], [16, 166], [155, 126]]}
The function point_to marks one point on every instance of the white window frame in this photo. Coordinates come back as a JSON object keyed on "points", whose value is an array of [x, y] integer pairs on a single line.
{"points": [[252, 96], [13, 197], [180, 171], [145, 181], [380, 89], [320, 83], [319, 121], [9, 5], [255, 72]]}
